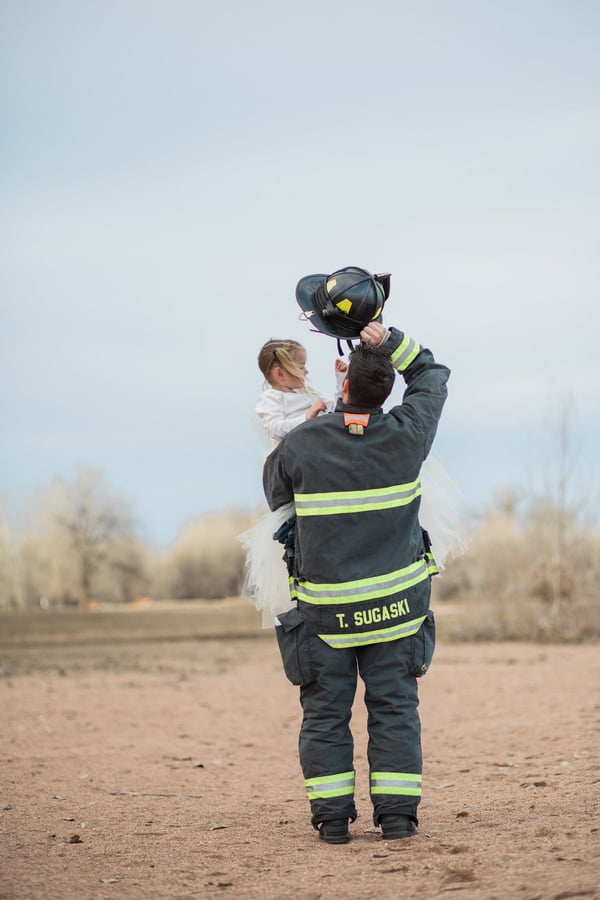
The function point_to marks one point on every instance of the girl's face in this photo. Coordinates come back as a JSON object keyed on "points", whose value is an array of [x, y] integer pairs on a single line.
{"points": [[286, 381]]}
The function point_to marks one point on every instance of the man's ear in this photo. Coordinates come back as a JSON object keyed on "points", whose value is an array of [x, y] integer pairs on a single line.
{"points": [[345, 390]]}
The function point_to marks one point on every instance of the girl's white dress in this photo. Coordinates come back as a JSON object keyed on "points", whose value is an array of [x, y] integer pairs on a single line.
{"points": [[266, 582], [280, 411], [441, 512]]}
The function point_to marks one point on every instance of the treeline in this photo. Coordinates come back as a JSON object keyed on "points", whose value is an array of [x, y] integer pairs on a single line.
{"points": [[530, 573], [79, 545]]}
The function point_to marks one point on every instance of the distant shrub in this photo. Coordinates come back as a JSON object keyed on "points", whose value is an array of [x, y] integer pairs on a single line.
{"points": [[206, 561], [526, 577]]}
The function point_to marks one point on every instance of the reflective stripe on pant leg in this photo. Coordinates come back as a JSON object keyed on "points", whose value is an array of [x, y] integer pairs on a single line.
{"points": [[404, 783], [339, 785]]}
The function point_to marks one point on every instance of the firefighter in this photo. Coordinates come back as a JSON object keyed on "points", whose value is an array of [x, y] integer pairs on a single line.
{"points": [[360, 564]]}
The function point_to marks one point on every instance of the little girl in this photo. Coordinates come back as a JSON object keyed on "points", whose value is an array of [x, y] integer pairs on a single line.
{"points": [[286, 399], [285, 402]]}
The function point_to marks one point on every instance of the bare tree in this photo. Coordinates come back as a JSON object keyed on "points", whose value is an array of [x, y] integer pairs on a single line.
{"points": [[560, 507], [127, 566], [563, 476], [94, 520], [7, 586]]}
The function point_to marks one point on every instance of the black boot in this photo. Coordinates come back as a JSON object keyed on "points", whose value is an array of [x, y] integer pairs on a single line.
{"points": [[397, 826], [335, 831]]}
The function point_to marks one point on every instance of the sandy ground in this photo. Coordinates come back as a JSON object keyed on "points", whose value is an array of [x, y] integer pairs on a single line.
{"points": [[168, 769]]}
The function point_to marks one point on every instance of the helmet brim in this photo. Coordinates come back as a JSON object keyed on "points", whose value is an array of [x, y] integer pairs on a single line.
{"points": [[306, 290]]}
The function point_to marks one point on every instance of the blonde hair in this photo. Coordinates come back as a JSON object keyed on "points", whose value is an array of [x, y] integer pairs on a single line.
{"points": [[280, 353]]}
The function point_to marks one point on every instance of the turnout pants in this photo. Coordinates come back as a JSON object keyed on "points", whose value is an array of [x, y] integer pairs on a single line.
{"points": [[328, 679]]}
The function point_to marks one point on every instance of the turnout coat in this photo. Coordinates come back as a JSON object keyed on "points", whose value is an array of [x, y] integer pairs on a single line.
{"points": [[362, 565]]}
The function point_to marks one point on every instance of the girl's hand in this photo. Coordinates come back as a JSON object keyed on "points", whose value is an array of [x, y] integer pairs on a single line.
{"points": [[373, 333], [340, 365], [317, 407]]}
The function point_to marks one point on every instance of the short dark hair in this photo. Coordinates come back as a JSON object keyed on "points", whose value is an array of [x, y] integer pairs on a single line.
{"points": [[370, 377]]}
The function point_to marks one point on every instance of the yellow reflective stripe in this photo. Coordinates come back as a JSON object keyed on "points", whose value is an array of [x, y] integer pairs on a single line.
{"points": [[364, 588], [404, 354], [380, 636], [330, 785], [432, 566], [334, 503], [405, 783]]}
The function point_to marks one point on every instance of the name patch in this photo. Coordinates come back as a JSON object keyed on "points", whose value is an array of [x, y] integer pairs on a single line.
{"points": [[375, 615]]}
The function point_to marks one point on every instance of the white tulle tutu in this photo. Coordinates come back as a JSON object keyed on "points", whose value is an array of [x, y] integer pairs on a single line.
{"points": [[266, 582], [440, 512]]}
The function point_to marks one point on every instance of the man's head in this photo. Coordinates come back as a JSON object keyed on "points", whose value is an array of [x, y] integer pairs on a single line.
{"points": [[370, 378]]}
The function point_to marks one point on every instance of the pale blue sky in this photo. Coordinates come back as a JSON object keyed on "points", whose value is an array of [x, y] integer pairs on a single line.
{"points": [[169, 170]]}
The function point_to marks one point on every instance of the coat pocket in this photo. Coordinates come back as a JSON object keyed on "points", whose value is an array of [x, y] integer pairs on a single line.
{"points": [[293, 639], [423, 645]]}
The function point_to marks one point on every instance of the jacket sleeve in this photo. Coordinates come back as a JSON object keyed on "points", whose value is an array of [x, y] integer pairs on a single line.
{"points": [[277, 483], [426, 389]]}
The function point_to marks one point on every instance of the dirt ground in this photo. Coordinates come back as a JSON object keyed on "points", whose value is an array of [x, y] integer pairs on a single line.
{"points": [[140, 767]]}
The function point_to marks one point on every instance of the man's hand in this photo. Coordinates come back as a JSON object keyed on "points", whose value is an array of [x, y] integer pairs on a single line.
{"points": [[373, 333], [340, 365], [317, 407]]}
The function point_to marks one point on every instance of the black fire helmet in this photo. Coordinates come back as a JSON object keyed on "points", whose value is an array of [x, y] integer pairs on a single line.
{"points": [[341, 304]]}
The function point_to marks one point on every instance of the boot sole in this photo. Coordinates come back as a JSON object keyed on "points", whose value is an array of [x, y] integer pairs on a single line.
{"points": [[335, 839], [397, 835]]}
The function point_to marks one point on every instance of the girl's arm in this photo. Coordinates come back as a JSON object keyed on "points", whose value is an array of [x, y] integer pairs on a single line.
{"points": [[341, 368]]}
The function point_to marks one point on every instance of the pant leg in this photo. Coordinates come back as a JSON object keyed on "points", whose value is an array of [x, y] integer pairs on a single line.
{"points": [[326, 745], [389, 671]]}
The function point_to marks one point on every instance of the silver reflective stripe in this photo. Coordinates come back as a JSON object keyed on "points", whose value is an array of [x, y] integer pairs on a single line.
{"points": [[378, 636], [330, 785], [404, 354], [335, 503], [396, 783], [365, 588]]}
